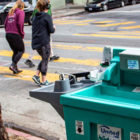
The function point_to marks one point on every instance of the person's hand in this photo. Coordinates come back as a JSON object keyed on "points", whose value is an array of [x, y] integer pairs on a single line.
{"points": [[54, 27]]}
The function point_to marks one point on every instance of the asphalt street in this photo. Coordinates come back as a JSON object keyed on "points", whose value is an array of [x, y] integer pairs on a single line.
{"points": [[79, 41]]}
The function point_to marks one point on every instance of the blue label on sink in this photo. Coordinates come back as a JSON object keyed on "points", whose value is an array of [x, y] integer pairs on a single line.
{"points": [[133, 64], [108, 132]]}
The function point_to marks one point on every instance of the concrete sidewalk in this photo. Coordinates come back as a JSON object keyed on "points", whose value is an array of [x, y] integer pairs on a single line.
{"points": [[18, 135], [33, 116], [69, 10]]}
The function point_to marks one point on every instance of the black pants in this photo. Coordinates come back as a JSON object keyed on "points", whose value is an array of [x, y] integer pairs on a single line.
{"points": [[44, 52], [17, 45]]}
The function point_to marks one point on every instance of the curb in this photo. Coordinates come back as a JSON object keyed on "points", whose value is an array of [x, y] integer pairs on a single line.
{"points": [[71, 14], [22, 134]]}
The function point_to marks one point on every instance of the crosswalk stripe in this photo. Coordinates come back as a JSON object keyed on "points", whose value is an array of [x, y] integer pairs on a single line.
{"points": [[87, 22], [106, 21], [110, 36], [131, 27], [83, 22], [122, 33], [61, 21], [78, 47], [26, 74], [116, 24], [73, 47], [97, 22], [88, 62], [72, 22]]}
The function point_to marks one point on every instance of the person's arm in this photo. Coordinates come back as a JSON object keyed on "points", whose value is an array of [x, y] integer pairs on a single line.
{"points": [[50, 25], [5, 23], [20, 22]]}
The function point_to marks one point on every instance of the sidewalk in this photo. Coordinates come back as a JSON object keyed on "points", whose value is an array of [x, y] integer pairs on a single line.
{"points": [[69, 10], [18, 135], [25, 113]]}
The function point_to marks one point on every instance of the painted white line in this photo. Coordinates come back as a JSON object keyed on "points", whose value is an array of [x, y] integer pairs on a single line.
{"points": [[123, 11]]}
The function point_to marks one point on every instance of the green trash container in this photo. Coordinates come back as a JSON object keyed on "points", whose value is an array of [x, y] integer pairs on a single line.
{"points": [[109, 110]]}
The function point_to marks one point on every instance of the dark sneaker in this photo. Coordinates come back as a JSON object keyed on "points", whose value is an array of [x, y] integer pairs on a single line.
{"points": [[18, 71], [13, 69], [46, 83], [55, 57], [36, 79], [29, 63]]}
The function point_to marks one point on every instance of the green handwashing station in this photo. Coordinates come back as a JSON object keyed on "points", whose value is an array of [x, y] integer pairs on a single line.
{"points": [[109, 109]]}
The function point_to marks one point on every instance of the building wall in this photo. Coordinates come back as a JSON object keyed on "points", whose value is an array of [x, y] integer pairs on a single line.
{"points": [[81, 2], [57, 4]]}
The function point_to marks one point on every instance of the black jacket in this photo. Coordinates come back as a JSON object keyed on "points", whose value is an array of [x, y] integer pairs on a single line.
{"points": [[41, 28]]}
